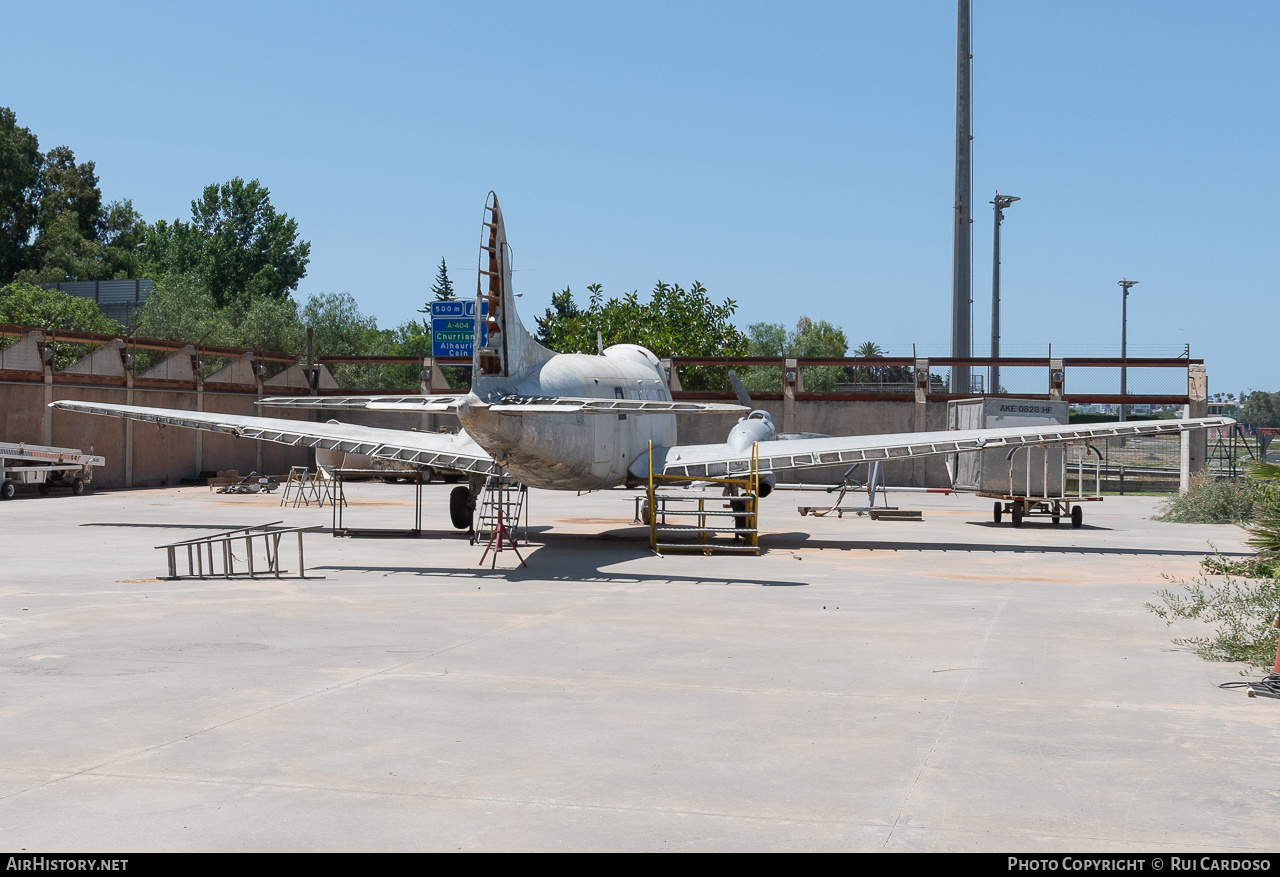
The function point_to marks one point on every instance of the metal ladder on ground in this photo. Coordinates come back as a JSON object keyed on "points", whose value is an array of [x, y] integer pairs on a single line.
{"points": [[501, 492], [214, 556], [702, 523]]}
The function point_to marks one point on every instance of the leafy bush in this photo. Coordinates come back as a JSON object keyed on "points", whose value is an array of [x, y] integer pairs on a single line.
{"points": [[1210, 501], [1239, 597], [1240, 607]]}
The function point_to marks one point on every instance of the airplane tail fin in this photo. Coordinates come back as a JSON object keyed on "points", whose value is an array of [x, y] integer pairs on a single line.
{"points": [[508, 350]]}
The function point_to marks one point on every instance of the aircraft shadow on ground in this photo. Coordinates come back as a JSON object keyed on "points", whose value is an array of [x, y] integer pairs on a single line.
{"points": [[575, 557], [580, 556]]}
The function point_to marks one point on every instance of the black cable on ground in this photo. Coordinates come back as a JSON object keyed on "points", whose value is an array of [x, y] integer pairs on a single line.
{"points": [[1267, 687]]}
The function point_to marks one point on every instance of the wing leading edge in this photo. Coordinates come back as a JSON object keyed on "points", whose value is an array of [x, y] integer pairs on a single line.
{"points": [[517, 405], [719, 460], [423, 448]]}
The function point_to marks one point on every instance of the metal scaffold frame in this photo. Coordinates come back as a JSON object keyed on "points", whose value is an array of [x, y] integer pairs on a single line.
{"points": [[743, 505]]}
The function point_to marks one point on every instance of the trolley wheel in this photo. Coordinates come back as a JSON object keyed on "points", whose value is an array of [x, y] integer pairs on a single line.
{"points": [[644, 512], [44, 488], [77, 487], [1057, 519], [426, 474], [1016, 514], [997, 512], [1077, 518], [7, 489], [460, 507], [451, 479]]}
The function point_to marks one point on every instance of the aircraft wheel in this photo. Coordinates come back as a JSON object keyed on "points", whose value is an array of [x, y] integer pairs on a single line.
{"points": [[997, 512], [1077, 518], [7, 489], [740, 521], [1017, 514], [44, 488], [460, 507], [77, 486]]}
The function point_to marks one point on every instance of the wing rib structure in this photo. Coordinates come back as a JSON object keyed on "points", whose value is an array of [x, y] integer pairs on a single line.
{"points": [[719, 460], [423, 448]]}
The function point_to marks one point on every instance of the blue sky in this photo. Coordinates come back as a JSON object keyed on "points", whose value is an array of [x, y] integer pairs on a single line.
{"points": [[796, 158]]}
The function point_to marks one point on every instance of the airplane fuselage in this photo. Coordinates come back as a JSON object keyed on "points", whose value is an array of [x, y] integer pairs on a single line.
{"points": [[575, 451]]}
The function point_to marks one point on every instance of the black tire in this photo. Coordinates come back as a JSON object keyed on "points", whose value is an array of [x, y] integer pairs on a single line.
{"points": [[997, 512], [740, 521], [1057, 519], [77, 487], [451, 479], [45, 488], [7, 489], [1077, 518], [1016, 514], [426, 474], [460, 507]]}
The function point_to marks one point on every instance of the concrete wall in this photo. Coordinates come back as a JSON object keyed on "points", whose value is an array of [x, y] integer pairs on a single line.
{"points": [[142, 454]]}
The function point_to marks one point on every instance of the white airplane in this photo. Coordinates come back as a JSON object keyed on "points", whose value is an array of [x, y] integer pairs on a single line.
{"points": [[572, 421]]}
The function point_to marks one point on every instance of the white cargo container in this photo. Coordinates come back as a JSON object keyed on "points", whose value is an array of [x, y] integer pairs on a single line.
{"points": [[989, 471]]}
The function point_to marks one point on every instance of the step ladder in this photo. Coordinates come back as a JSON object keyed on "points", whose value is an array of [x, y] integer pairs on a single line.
{"points": [[501, 493], [726, 524]]}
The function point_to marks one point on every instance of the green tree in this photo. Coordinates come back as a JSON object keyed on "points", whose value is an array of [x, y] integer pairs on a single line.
{"points": [[1261, 409], [443, 287], [29, 305], [764, 339], [181, 308], [819, 338], [236, 242], [674, 322], [20, 163]]}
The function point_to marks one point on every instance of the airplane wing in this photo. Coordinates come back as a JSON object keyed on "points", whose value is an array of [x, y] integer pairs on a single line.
{"points": [[516, 405], [424, 448], [721, 460], [423, 404]]}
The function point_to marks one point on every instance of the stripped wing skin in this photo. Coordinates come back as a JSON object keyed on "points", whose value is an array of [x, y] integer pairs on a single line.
{"points": [[454, 451], [514, 405], [719, 460]]}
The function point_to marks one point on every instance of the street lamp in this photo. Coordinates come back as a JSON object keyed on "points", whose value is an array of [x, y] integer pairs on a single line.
{"points": [[1000, 203], [1124, 347]]}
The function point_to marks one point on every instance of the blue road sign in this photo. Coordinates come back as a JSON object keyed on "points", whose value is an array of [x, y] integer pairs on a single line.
{"points": [[453, 327]]}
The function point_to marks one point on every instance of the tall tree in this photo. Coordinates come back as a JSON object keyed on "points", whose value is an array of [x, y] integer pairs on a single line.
{"points": [[1261, 409], [674, 322], [70, 189], [236, 243], [443, 287], [20, 162]]}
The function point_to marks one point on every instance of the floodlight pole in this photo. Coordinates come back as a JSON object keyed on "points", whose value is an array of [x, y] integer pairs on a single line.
{"points": [[1000, 202], [961, 298], [1124, 346]]}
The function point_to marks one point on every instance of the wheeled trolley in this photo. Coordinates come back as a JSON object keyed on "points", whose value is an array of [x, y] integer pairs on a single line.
{"points": [[45, 466], [1041, 499]]}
